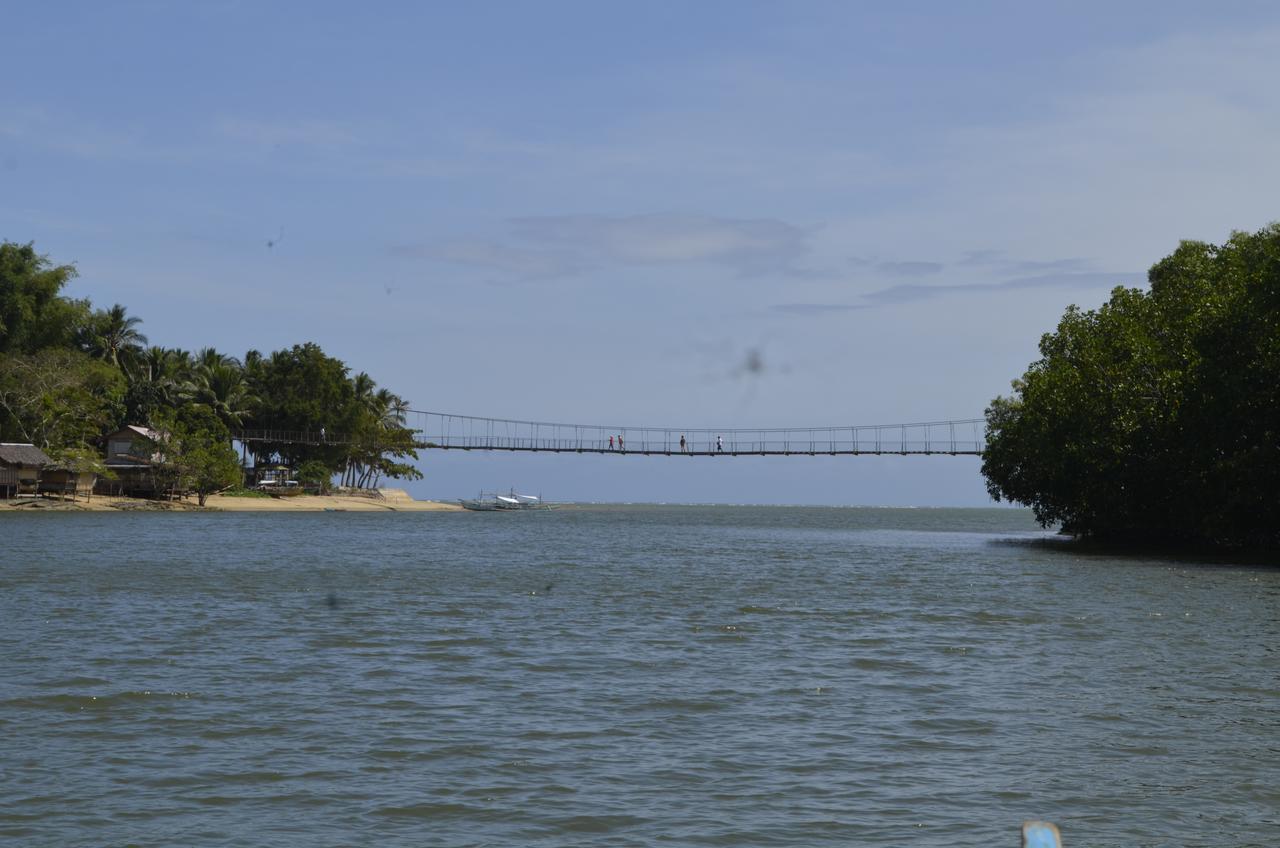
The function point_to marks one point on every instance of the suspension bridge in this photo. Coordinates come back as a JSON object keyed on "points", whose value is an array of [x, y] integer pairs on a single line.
{"points": [[446, 431]]}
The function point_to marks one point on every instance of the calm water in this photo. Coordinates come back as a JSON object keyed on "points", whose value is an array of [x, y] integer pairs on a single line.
{"points": [[626, 676]]}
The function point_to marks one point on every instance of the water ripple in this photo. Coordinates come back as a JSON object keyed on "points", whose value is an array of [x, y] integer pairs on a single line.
{"points": [[626, 677]]}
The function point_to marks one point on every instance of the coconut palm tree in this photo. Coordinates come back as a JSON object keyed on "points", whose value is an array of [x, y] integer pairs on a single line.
{"points": [[155, 380], [153, 366], [112, 335], [208, 357], [390, 409], [363, 386], [222, 387], [253, 360]]}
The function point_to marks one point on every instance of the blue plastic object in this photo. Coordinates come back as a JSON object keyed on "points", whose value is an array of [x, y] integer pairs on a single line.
{"points": [[1040, 834]]}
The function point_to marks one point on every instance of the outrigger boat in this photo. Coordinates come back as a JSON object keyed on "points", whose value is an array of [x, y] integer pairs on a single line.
{"points": [[481, 503], [524, 501], [512, 501], [508, 502]]}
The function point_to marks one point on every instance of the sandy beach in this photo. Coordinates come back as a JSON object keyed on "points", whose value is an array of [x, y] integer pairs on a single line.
{"points": [[388, 500]]}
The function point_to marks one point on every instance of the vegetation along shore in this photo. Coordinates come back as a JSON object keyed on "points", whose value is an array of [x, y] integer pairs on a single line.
{"points": [[1156, 418], [1152, 419], [85, 402]]}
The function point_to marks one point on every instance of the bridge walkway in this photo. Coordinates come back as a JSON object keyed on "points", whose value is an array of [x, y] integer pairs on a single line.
{"points": [[446, 431]]}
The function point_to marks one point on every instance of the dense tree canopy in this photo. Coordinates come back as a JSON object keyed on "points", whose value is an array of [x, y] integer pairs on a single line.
{"points": [[32, 313], [1157, 416], [113, 336], [196, 450], [302, 390], [57, 398], [70, 373]]}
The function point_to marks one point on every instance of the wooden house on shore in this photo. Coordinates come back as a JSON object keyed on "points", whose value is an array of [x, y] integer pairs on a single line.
{"points": [[132, 457], [20, 468]]}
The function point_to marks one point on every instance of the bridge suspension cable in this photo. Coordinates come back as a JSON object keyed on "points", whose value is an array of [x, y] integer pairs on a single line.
{"points": [[447, 431]]}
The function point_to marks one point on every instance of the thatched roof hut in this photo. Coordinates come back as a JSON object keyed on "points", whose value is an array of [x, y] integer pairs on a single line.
{"points": [[20, 466], [16, 454]]}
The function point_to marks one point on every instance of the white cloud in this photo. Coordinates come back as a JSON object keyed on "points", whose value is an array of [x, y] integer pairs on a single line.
{"points": [[915, 292], [748, 246], [562, 245]]}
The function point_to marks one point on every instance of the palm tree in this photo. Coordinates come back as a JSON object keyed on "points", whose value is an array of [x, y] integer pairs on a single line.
{"points": [[399, 411], [112, 335], [390, 409], [253, 361], [183, 363], [208, 357], [151, 366], [222, 387], [363, 385], [155, 381]]}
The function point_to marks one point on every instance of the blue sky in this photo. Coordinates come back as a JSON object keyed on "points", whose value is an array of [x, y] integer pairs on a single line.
{"points": [[597, 212]]}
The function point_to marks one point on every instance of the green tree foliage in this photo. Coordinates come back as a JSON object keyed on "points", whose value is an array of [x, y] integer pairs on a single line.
{"points": [[81, 459], [69, 373], [158, 379], [313, 472], [58, 399], [222, 388], [378, 437], [302, 391], [197, 452], [33, 315], [1157, 416], [374, 453], [112, 335]]}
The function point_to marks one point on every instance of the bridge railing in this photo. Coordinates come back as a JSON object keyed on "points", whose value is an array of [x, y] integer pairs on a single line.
{"points": [[298, 437], [461, 432], [304, 437], [733, 446]]}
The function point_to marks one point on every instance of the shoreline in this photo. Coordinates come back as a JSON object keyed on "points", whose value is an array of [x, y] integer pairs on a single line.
{"points": [[389, 500]]}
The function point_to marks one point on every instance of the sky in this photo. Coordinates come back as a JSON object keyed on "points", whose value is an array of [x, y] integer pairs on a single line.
{"points": [[713, 214]]}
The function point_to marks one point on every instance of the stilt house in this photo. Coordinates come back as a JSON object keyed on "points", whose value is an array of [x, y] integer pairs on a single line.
{"points": [[132, 457], [20, 467]]}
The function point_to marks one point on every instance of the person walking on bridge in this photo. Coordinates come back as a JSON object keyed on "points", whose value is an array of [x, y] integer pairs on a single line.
{"points": [[720, 444], [620, 447], [611, 442], [682, 450]]}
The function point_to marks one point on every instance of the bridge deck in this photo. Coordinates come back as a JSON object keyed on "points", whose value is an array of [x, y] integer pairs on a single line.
{"points": [[797, 451], [443, 431]]}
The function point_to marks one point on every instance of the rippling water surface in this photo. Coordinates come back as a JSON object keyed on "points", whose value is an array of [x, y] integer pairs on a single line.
{"points": [[626, 676]]}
